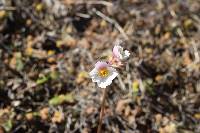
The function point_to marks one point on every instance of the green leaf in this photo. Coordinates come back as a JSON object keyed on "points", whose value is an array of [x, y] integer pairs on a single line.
{"points": [[135, 86], [56, 100], [35, 114], [54, 75], [8, 125], [19, 64], [42, 80], [148, 84]]}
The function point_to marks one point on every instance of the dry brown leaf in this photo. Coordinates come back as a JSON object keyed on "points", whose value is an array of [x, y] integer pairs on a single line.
{"points": [[197, 116], [39, 7], [131, 119], [57, 117], [2, 14], [29, 116], [84, 43], [165, 120], [4, 115], [170, 128], [127, 111], [158, 118], [85, 130], [121, 105], [90, 110], [28, 22], [1, 130], [69, 2], [158, 78], [82, 76], [186, 59], [41, 54], [166, 36], [44, 113]]}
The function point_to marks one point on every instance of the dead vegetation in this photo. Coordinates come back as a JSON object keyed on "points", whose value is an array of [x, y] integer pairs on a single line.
{"points": [[47, 48]]}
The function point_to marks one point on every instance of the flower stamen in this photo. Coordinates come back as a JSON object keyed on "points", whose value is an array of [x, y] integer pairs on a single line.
{"points": [[103, 72]]}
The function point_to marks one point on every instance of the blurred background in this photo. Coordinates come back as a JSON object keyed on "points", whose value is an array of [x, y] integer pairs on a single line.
{"points": [[47, 48]]}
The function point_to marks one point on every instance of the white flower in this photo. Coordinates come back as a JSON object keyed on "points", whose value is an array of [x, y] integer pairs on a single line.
{"points": [[120, 53], [103, 74]]}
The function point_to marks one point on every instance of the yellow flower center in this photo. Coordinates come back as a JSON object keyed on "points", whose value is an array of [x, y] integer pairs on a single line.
{"points": [[103, 72]]}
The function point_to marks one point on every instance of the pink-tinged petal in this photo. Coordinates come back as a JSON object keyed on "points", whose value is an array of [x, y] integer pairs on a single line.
{"points": [[116, 52], [101, 64], [119, 53]]}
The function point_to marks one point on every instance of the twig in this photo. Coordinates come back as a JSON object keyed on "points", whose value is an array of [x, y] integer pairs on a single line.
{"points": [[92, 2], [196, 53], [7, 8], [83, 15], [100, 2], [121, 83], [102, 111], [112, 21]]}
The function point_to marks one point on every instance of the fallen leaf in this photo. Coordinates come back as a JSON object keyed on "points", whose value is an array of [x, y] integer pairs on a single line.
{"points": [[44, 113], [8, 125], [158, 78], [57, 117], [121, 105], [158, 118], [135, 86], [39, 7], [1, 130], [56, 100], [2, 14], [187, 23], [29, 116], [16, 62], [197, 116], [81, 77], [90, 110], [186, 59], [42, 79], [170, 128]]}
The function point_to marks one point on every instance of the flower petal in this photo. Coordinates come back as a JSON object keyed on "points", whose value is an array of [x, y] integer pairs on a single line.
{"points": [[101, 64], [108, 80], [94, 75], [96, 79], [119, 53], [93, 72], [126, 54], [116, 52]]}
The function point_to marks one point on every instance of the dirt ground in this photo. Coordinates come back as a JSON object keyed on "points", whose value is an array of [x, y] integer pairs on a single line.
{"points": [[48, 47]]}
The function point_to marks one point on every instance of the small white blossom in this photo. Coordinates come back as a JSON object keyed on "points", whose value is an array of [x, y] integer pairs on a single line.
{"points": [[103, 74], [120, 53]]}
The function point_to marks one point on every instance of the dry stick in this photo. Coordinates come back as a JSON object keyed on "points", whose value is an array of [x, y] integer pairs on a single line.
{"points": [[91, 2], [7, 8], [112, 21], [102, 111]]}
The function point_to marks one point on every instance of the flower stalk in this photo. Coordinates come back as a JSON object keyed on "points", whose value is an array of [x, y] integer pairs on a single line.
{"points": [[104, 73], [102, 111]]}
